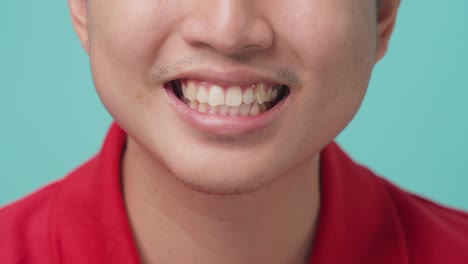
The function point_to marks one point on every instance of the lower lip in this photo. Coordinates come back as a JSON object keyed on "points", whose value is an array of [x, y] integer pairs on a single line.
{"points": [[225, 125]]}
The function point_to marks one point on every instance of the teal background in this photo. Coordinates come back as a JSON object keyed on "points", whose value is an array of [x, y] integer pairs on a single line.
{"points": [[412, 127]]}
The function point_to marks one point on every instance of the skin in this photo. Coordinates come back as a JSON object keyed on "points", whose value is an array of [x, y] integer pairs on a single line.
{"points": [[200, 198]]}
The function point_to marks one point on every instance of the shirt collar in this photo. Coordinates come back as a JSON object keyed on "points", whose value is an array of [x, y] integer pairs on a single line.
{"points": [[90, 223], [358, 222]]}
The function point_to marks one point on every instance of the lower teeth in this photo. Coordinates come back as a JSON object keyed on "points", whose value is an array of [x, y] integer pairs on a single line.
{"points": [[252, 109]]}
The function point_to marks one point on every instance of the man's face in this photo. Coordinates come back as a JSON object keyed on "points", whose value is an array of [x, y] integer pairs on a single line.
{"points": [[316, 57]]}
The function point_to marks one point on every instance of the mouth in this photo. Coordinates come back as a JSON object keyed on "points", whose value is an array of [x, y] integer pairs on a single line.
{"points": [[228, 100]]}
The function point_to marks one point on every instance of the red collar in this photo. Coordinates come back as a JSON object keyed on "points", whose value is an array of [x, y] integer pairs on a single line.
{"points": [[358, 221], [357, 224], [90, 223]]}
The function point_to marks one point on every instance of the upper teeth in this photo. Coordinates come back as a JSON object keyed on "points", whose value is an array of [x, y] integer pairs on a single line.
{"points": [[216, 95]]}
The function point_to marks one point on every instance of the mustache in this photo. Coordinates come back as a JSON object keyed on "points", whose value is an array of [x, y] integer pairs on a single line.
{"points": [[164, 70]]}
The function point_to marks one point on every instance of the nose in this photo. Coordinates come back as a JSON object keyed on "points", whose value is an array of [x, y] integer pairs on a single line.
{"points": [[230, 27]]}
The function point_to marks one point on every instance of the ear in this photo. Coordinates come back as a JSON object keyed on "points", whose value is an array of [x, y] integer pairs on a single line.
{"points": [[79, 16], [386, 16]]}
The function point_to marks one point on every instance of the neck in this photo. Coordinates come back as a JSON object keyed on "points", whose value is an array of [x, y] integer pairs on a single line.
{"points": [[175, 224]]}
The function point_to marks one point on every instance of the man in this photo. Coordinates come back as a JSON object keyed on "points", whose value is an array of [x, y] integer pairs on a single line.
{"points": [[223, 151]]}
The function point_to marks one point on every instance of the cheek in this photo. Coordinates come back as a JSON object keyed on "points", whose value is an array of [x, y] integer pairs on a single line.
{"points": [[337, 56], [338, 52], [126, 36]]}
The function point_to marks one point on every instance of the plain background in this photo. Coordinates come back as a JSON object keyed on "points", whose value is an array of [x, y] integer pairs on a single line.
{"points": [[412, 127]]}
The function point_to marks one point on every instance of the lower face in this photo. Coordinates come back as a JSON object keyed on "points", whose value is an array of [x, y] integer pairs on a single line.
{"points": [[228, 119]]}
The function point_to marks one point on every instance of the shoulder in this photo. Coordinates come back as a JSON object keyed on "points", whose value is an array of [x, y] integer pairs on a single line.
{"points": [[433, 233], [24, 226]]}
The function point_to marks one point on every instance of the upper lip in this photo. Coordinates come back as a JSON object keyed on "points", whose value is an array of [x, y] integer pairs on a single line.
{"points": [[229, 78]]}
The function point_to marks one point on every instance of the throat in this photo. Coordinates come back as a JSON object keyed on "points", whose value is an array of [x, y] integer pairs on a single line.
{"points": [[174, 224]]}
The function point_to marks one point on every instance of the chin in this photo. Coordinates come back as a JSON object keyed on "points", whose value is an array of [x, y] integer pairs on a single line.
{"points": [[223, 181]]}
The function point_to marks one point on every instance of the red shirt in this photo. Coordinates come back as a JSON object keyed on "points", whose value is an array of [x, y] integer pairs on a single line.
{"points": [[363, 218]]}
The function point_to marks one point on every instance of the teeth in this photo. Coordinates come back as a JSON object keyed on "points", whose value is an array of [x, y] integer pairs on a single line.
{"points": [[260, 93], [202, 95], [234, 96], [223, 110], [193, 105], [190, 91], [184, 90], [249, 96], [202, 107], [274, 94], [216, 96], [234, 110], [213, 110], [233, 101], [255, 109], [262, 108], [269, 94], [245, 109]]}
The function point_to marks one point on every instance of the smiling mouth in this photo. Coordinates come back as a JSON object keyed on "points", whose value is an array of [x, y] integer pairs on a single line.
{"points": [[229, 100]]}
